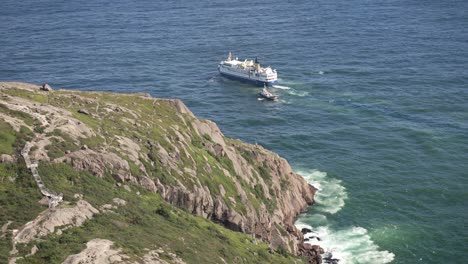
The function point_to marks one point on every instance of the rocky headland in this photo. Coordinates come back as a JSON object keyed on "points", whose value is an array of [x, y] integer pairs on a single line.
{"points": [[140, 164]]}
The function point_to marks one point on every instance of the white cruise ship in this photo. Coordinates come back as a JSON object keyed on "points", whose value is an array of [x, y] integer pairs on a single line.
{"points": [[247, 71]]}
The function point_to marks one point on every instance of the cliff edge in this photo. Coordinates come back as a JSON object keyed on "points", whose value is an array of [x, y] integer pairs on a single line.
{"points": [[134, 141]]}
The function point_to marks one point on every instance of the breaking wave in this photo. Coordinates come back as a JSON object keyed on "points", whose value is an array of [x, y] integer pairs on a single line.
{"points": [[331, 194], [346, 245]]}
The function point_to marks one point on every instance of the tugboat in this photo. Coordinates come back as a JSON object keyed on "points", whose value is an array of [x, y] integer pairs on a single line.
{"points": [[267, 95], [247, 71]]}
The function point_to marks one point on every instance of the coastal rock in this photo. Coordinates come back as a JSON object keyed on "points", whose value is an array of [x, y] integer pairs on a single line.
{"points": [[330, 259], [188, 161], [318, 249], [209, 129], [311, 253], [291, 191], [46, 87], [258, 221]]}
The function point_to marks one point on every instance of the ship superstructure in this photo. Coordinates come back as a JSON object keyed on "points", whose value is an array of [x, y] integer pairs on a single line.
{"points": [[247, 71]]}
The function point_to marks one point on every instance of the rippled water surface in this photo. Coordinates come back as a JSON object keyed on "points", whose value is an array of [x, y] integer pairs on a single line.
{"points": [[376, 115]]}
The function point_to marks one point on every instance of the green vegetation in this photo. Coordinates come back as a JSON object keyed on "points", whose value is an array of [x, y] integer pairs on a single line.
{"points": [[92, 142], [59, 145], [19, 198], [146, 221], [7, 138], [17, 114], [18, 195], [12, 141], [26, 94]]}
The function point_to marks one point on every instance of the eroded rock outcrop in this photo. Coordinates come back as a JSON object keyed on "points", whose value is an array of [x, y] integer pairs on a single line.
{"points": [[161, 146], [311, 253], [98, 163], [281, 186], [47, 222], [98, 251], [101, 251]]}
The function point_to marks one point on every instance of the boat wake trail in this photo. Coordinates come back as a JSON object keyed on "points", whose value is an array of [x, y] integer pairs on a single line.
{"points": [[297, 93], [281, 87], [344, 245]]}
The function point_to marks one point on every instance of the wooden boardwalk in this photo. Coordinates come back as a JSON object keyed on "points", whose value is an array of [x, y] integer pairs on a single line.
{"points": [[54, 198]]}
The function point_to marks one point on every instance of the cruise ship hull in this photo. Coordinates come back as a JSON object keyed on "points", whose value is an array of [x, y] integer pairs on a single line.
{"points": [[247, 71], [247, 80]]}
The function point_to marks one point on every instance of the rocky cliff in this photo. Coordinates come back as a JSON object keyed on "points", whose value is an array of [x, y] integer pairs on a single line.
{"points": [[136, 141]]}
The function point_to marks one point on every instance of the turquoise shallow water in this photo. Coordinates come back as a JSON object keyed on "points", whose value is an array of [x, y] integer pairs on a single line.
{"points": [[376, 114]]}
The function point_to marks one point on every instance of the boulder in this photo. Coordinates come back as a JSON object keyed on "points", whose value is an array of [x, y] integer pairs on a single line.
{"points": [[119, 201], [306, 247], [46, 87], [318, 249], [83, 111], [4, 158]]}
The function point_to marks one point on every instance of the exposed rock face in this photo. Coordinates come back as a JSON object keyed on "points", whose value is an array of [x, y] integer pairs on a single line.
{"points": [[312, 253], [291, 199], [188, 161], [154, 257], [50, 219], [98, 163], [48, 116], [100, 251]]}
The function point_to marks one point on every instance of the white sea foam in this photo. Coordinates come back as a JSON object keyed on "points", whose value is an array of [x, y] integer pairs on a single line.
{"points": [[213, 81], [281, 87], [331, 194], [297, 93], [316, 72], [350, 244]]}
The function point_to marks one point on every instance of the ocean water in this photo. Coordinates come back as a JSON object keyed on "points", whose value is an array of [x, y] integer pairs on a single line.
{"points": [[376, 114]]}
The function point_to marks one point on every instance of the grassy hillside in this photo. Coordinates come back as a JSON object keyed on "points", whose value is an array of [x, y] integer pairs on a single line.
{"points": [[157, 143], [146, 222]]}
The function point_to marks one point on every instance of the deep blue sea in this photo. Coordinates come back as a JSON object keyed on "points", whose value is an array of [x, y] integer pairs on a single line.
{"points": [[376, 114]]}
